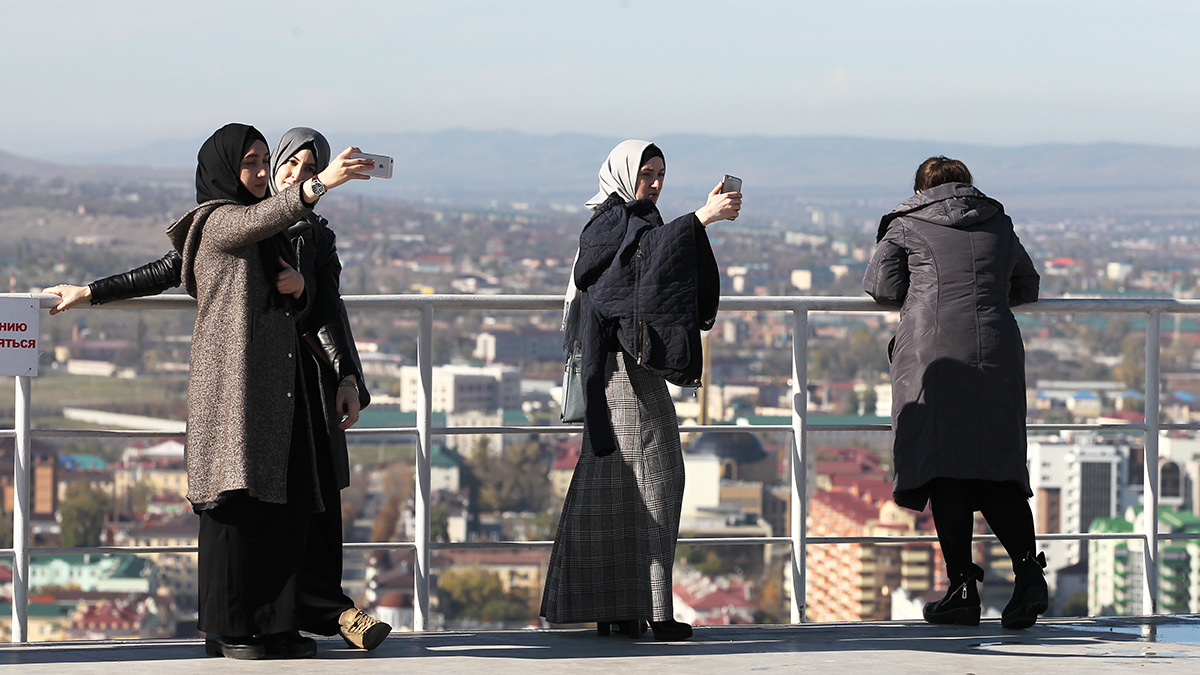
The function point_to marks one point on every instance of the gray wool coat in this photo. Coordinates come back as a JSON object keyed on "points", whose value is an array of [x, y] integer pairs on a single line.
{"points": [[948, 257], [242, 385]]}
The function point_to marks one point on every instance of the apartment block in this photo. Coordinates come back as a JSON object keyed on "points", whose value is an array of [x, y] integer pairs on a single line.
{"points": [[458, 388]]}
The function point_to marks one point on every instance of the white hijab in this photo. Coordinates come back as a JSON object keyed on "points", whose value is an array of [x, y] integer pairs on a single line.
{"points": [[619, 174]]}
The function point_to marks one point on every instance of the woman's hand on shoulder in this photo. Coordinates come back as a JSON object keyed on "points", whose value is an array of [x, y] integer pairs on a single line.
{"points": [[69, 296], [341, 169], [720, 206]]}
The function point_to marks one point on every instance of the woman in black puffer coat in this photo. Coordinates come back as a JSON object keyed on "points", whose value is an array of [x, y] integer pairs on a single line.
{"points": [[948, 257], [642, 291]]}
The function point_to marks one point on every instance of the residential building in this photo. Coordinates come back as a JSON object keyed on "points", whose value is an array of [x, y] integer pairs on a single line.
{"points": [[1074, 482], [111, 573], [705, 601], [508, 344], [855, 581], [159, 470], [458, 388], [517, 569], [494, 444], [1115, 585], [176, 570]]}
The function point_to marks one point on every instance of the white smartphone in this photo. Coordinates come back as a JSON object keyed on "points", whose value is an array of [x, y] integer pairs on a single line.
{"points": [[731, 184], [383, 165]]}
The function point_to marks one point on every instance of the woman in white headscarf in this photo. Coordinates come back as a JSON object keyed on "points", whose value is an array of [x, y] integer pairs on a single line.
{"points": [[642, 290]]}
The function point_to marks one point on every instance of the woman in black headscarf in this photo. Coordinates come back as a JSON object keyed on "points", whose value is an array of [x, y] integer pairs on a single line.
{"points": [[336, 389], [251, 455]]}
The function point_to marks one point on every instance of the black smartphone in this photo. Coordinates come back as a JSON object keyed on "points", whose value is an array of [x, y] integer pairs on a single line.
{"points": [[731, 184]]}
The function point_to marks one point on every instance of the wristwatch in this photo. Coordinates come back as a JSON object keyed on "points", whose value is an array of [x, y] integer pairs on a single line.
{"points": [[317, 187]]}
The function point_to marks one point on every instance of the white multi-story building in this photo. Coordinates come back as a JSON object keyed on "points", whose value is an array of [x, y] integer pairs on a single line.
{"points": [[1073, 484], [1082, 485], [461, 388], [1178, 473]]}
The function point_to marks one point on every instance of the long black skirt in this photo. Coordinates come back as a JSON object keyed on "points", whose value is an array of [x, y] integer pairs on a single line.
{"points": [[270, 568]]}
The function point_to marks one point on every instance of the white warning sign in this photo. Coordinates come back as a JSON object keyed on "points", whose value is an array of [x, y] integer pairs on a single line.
{"points": [[19, 336]]}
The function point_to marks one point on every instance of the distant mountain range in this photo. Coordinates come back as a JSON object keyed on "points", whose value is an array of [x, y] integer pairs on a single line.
{"points": [[506, 166]]}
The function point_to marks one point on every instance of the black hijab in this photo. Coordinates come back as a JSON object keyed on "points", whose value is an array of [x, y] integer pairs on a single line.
{"points": [[219, 164], [218, 176]]}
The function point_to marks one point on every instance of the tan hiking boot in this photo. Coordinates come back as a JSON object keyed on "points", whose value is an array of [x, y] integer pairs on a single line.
{"points": [[361, 630]]}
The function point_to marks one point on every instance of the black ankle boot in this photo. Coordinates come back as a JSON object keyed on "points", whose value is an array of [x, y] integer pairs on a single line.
{"points": [[1030, 595], [961, 604], [669, 631], [289, 645]]}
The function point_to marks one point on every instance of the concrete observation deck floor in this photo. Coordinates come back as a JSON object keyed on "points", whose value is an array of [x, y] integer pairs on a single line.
{"points": [[1098, 645]]}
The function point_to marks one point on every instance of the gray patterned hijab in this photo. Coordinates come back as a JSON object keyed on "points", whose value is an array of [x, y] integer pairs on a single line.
{"points": [[620, 171], [295, 140]]}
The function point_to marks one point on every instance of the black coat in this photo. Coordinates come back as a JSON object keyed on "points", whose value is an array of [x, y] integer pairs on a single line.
{"points": [[324, 324], [948, 257], [647, 288]]}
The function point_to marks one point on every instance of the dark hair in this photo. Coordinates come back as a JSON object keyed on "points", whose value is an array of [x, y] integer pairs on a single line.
{"points": [[651, 152], [938, 170]]}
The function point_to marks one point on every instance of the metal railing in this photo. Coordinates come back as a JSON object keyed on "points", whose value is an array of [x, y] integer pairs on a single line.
{"points": [[799, 306]]}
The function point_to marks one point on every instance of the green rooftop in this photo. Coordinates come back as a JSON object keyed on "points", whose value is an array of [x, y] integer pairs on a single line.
{"points": [[1110, 525]]}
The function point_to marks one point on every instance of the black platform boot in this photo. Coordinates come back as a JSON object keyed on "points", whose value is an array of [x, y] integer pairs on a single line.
{"points": [[1030, 595], [961, 605], [670, 631]]}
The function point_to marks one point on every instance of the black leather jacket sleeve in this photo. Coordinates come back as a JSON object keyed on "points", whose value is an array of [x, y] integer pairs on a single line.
{"points": [[149, 279], [328, 321]]}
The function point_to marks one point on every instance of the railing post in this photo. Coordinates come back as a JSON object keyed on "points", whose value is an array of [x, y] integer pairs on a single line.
{"points": [[1150, 495], [421, 572], [799, 482], [21, 512]]}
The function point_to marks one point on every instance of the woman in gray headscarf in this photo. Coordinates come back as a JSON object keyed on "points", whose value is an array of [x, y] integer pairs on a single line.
{"points": [[333, 373], [641, 292]]}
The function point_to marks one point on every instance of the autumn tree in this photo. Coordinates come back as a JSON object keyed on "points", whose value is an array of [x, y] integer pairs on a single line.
{"points": [[83, 515], [478, 595], [516, 480]]}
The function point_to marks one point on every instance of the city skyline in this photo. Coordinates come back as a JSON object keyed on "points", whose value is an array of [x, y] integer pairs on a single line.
{"points": [[982, 71]]}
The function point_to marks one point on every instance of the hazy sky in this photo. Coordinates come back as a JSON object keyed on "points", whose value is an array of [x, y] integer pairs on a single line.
{"points": [[99, 75]]}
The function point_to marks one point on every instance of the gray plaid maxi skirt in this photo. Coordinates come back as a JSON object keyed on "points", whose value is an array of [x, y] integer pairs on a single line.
{"points": [[615, 546]]}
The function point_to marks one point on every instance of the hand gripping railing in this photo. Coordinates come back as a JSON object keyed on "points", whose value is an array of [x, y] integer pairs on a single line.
{"points": [[798, 306]]}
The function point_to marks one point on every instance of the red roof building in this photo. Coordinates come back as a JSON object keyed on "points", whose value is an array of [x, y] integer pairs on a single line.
{"points": [[704, 601], [854, 581]]}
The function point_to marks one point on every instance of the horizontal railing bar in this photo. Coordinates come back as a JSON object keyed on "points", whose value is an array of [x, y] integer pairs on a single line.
{"points": [[372, 545], [102, 433], [714, 541], [400, 431], [383, 431], [728, 302], [576, 428], [102, 550], [1179, 535]]}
